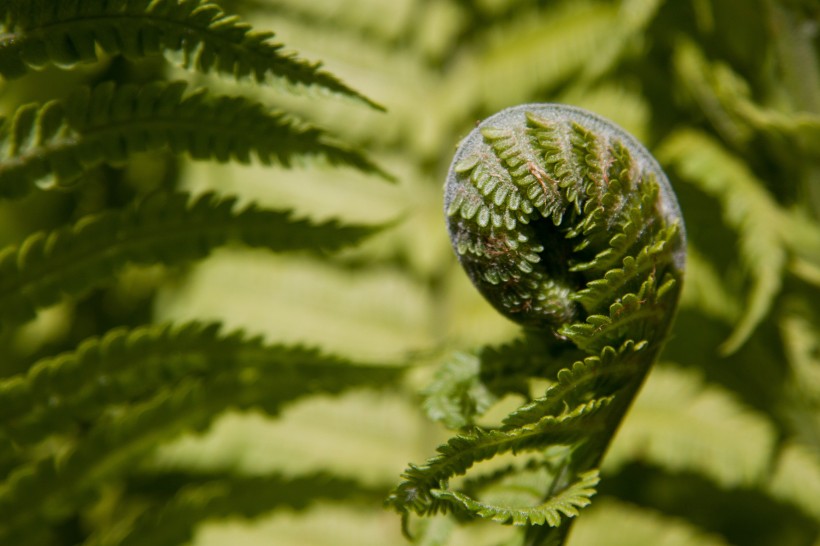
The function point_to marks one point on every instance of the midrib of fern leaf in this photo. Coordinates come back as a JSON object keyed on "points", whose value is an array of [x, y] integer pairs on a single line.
{"points": [[107, 123], [40, 32], [163, 228], [237, 374]]}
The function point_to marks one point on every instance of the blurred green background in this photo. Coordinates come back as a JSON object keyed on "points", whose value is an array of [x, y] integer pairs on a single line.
{"points": [[723, 444]]}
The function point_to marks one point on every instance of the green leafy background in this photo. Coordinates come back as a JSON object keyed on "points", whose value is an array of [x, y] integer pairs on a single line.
{"points": [[722, 445]]}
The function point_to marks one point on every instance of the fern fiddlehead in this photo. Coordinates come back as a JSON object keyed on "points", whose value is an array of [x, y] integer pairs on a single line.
{"points": [[569, 227]]}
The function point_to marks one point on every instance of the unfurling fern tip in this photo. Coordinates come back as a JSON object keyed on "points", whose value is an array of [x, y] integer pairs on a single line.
{"points": [[567, 225]]}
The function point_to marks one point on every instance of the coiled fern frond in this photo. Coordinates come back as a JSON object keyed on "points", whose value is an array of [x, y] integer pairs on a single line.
{"points": [[568, 226]]}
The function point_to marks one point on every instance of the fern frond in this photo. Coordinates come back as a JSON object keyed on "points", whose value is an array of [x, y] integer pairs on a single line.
{"points": [[618, 281], [115, 398], [163, 228], [201, 498], [705, 291], [747, 208], [421, 490], [634, 16], [602, 375], [637, 315], [41, 32], [507, 368], [681, 424], [725, 97], [548, 47], [626, 525], [798, 329], [60, 393], [560, 505], [57, 143], [796, 478], [457, 395]]}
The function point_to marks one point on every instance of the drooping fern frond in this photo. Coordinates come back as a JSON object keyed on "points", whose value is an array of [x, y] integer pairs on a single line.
{"points": [[682, 424], [796, 478], [108, 403], [169, 229], [725, 98], [205, 38], [55, 144], [627, 525], [747, 208], [548, 46], [214, 497]]}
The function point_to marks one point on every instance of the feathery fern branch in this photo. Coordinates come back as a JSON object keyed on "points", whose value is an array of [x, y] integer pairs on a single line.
{"points": [[168, 380], [57, 143], [40, 32], [163, 228], [173, 520], [747, 207]]}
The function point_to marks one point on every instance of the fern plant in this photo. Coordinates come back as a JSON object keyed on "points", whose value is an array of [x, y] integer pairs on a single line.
{"points": [[159, 281], [78, 422], [569, 227]]}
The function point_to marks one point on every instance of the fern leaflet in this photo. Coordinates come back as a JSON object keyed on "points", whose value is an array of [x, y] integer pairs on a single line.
{"points": [[140, 387], [163, 228], [57, 143], [747, 208], [40, 32]]}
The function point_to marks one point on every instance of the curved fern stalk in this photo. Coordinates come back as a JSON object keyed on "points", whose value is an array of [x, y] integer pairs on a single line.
{"points": [[41, 32], [108, 404], [169, 229], [568, 226], [55, 144]]}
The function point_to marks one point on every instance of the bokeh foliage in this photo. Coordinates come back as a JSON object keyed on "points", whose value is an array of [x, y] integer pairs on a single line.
{"points": [[722, 445]]}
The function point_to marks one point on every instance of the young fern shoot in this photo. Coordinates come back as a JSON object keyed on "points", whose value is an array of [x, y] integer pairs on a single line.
{"points": [[569, 227]]}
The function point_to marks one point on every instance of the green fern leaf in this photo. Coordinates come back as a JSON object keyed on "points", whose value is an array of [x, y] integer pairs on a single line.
{"points": [[213, 497], [509, 367], [421, 490], [110, 403], [626, 525], [41, 32], [457, 395], [796, 478], [640, 315], [600, 375], [561, 504], [163, 228], [125, 367], [57, 143], [725, 98], [747, 208], [681, 424], [572, 33]]}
